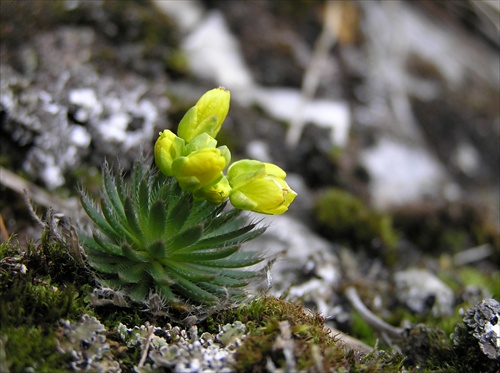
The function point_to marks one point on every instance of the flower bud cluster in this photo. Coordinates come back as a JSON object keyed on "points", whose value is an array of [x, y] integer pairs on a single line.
{"points": [[194, 159]]}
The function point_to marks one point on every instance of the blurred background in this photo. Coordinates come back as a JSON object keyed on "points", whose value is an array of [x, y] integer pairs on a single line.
{"points": [[385, 115]]}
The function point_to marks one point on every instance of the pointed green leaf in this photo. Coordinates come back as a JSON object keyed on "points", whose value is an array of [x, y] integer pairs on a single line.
{"points": [[139, 291], [135, 255], [221, 223], [223, 292], [189, 272], [231, 273], [107, 265], [112, 194], [113, 283], [157, 220], [138, 173], [194, 292], [184, 239], [200, 211], [133, 274], [229, 282], [123, 188], [90, 243], [235, 237], [158, 250], [158, 273], [207, 254], [133, 220], [97, 217], [115, 224], [107, 246], [237, 260], [142, 203], [166, 293], [178, 214]]}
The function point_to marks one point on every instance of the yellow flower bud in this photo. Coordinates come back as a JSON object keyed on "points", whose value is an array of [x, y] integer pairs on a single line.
{"points": [[167, 148], [216, 193], [206, 116], [199, 169], [201, 141], [259, 187]]}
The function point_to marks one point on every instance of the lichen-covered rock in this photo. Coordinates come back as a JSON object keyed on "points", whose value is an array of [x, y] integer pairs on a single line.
{"points": [[86, 343], [421, 291], [477, 340], [181, 350], [482, 322], [71, 109]]}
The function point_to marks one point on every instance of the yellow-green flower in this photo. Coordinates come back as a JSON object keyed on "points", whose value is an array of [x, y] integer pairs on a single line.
{"points": [[168, 147], [259, 187], [206, 116], [199, 169], [216, 193]]}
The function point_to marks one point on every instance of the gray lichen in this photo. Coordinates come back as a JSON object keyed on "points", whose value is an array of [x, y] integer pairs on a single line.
{"points": [[182, 350], [62, 119], [86, 343], [482, 322]]}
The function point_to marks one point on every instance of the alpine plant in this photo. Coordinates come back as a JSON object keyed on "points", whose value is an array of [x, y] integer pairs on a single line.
{"points": [[170, 230]]}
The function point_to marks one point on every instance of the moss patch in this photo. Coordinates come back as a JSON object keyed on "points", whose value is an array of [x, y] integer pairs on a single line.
{"points": [[313, 346], [345, 218]]}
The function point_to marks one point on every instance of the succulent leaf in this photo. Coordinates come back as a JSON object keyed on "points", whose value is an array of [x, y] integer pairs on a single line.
{"points": [[235, 237], [187, 237], [135, 255], [157, 250], [191, 273], [96, 217], [178, 214], [157, 220], [107, 247], [236, 260], [133, 219], [112, 195], [142, 202], [206, 254], [193, 291], [132, 274], [139, 291]]}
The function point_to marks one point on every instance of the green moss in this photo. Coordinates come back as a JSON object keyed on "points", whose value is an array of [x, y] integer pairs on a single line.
{"points": [[448, 228], [313, 344], [362, 330], [39, 285], [28, 346], [35, 289], [345, 218]]}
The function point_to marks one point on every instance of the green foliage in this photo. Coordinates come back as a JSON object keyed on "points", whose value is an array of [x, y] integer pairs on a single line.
{"points": [[344, 217], [152, 237]]}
